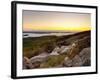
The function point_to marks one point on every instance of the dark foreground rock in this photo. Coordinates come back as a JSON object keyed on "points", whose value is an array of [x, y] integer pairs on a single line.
{"points": [[83, 59], [27, 63]]}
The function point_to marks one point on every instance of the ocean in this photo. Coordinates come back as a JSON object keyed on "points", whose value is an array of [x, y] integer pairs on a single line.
{"points": [[28, 34]]}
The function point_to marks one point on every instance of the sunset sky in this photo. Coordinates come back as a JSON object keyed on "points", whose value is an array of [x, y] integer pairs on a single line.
{"points": [[55, 21]]}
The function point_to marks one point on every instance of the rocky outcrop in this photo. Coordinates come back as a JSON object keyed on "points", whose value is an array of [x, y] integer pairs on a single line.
{"points": [[60, 50], [27, 63], [64, 49], [55, 51], [72, 52], [54, 59], [83, 59], [39, 58], [78, 45], [85, 55]]}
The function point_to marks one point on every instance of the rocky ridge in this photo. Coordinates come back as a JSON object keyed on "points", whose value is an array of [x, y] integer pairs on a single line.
{"points": [[75, 54]]}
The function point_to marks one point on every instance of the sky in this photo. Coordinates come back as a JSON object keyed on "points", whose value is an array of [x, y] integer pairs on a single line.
{"points": [[55, 21]]}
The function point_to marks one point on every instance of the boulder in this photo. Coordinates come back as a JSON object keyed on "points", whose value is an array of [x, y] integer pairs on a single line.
{"points": [[85, 55], [67, 62], [76, 61], [39, 58], [81, 59], [64, 49], [27, 63], [54, 53], [56, 49]]}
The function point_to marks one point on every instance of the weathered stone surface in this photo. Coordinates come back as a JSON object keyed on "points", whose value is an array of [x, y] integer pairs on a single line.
{"points": [[54, 53], [85, 55], [83, 59], [67, 62], [39, 58], [64, 49], [76, 61], [27, 63], [60, 50], [56, 49]]}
